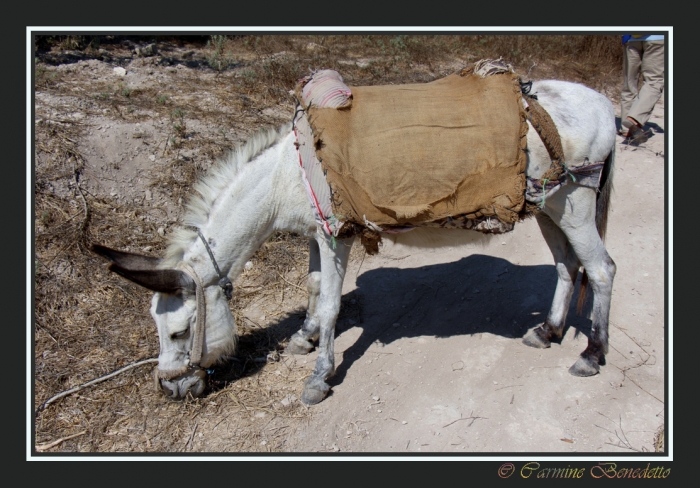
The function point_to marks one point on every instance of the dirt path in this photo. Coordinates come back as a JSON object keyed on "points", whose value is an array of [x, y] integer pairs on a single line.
{"points": [[434, 362]]}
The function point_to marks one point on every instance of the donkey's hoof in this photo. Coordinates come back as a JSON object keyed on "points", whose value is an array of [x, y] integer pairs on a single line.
{"points": [[298, 346], [585, 367], [315, 390], [536, 338]]}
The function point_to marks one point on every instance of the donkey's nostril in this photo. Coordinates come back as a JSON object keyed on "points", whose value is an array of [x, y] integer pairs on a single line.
{"points": [[168, 391]]}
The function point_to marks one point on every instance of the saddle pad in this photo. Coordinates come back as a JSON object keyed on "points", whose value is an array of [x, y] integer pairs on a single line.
{"points": [[409, 154]]}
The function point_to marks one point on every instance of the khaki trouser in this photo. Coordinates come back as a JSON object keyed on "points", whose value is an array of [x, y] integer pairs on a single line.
{"points": [[645, 58]]}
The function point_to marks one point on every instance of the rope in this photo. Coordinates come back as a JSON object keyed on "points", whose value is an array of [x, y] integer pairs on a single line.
{"points": [[547, 130]]}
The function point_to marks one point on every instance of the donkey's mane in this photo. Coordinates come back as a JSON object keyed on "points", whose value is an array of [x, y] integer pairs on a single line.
{"points": [[211, 186]]}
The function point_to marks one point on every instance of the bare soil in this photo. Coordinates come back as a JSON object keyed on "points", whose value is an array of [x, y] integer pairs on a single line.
{"points": [[428, 349]]}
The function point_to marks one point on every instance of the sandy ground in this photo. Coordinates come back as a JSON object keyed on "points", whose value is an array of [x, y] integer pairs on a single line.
{"points": [[436, 363]]}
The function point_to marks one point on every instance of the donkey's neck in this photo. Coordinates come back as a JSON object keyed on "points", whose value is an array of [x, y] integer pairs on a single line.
{"points": [[266, 195]]}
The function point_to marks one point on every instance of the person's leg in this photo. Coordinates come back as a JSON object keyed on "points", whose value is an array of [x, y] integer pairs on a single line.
{"points": [[631, 67], [653, 72]]}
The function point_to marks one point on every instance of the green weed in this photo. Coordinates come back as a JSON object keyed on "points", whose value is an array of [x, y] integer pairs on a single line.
{"points": [[217, 59]]}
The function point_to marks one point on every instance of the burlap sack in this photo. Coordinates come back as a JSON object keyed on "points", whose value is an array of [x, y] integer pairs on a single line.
{"points": [[407, 154]]}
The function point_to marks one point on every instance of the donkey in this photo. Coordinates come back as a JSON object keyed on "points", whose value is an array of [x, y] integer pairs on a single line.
{"points": [[259, 190]]}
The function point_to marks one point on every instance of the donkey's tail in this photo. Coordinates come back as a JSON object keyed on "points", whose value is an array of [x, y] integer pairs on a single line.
{"points": [[601, 216]]}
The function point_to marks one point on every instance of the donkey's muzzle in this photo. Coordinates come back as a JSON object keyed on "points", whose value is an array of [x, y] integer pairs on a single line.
{"points": [[191, 383]]}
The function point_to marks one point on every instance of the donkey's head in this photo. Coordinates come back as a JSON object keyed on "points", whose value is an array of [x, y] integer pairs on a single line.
{"points": [[195, 324]]}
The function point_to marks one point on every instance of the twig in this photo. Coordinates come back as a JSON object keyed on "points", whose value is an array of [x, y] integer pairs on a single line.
{"points": [[289, 283], [642, 363], [43, 447], [93, 382], [625, 443], [465, 418], [83, 224], [188, 445], [509, 386]]}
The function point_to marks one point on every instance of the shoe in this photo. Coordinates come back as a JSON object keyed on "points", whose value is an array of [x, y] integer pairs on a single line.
{"points": [[633, 132], [636, 136]]}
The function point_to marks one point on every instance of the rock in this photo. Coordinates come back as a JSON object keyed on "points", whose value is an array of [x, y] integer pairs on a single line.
{"points": [[148, 50], [119, 71]]}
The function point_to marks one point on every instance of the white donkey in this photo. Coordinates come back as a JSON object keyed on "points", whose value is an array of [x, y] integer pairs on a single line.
{"points": [[260, 190]]}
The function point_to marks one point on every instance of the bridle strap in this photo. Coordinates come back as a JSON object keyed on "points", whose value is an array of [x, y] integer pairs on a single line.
{"points": [[224, 281], [201, 320]]}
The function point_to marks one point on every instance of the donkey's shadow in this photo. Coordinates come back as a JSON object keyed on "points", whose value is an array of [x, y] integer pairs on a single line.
{"points": [[477, 294]]}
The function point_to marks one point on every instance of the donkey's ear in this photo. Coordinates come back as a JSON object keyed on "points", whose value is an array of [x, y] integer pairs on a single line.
{"points": [[126, 260], [162, 280]]}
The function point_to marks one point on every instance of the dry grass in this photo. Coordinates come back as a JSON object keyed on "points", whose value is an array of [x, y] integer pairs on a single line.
{"points": [[88, 322]]}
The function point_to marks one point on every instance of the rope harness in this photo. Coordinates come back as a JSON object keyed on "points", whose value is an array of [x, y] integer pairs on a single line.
{"points": [[556, 176]]}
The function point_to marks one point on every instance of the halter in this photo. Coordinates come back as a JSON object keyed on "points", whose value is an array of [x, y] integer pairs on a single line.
{"points": [[200, 322], [224, 282]]}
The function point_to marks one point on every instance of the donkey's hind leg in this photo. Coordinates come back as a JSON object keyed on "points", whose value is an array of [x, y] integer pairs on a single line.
{"points": [[573, 210], [567, 265], [302, 342]]}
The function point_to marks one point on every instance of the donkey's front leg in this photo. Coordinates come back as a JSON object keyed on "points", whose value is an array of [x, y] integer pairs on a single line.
{"points": [[302, 341], [334, 261]]}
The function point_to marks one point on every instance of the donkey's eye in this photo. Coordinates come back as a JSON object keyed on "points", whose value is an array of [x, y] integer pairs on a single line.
{"points": [[179, 335]]}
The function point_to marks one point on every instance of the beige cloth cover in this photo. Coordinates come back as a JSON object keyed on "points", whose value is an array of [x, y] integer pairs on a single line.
{"points": [[410, 154]]}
